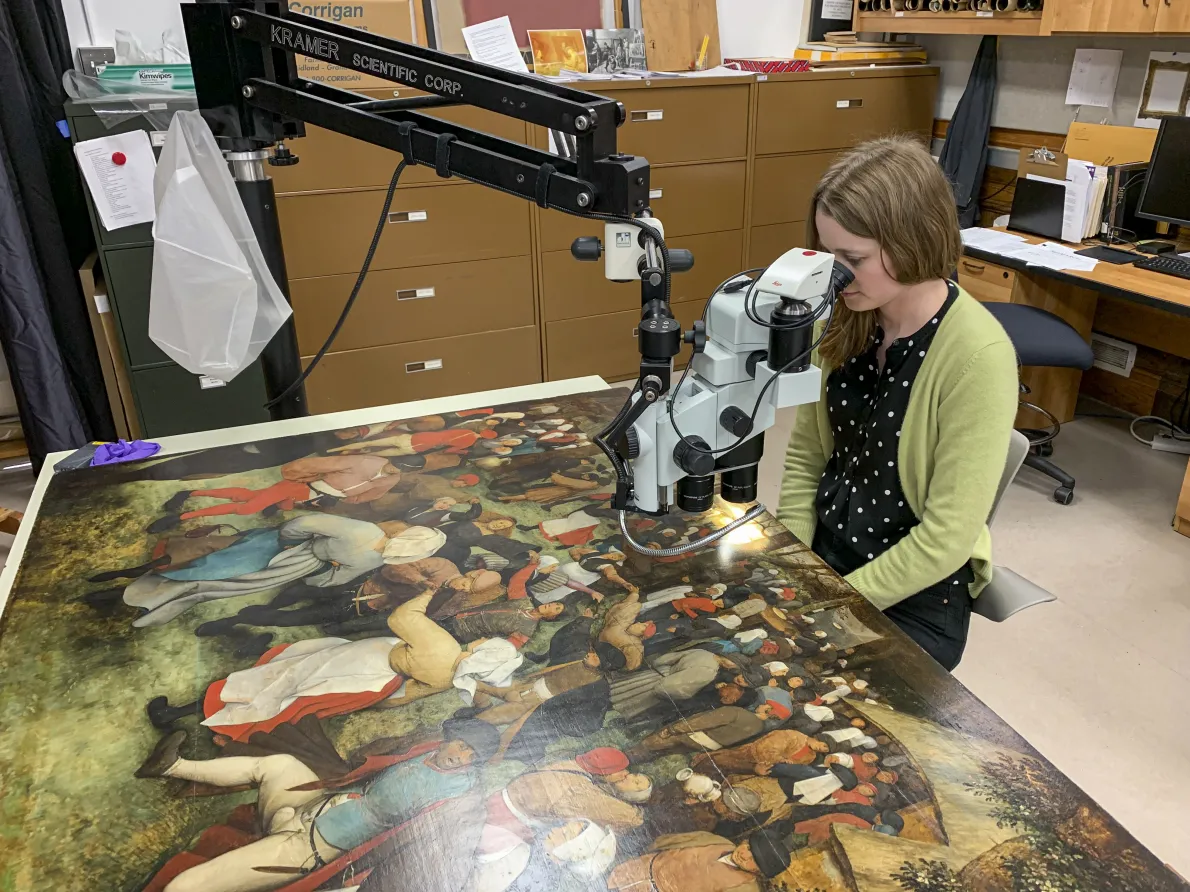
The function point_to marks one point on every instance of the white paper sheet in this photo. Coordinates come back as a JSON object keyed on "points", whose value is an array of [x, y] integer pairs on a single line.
{"points": [[123, 193], [1052, 256], [1093, 77], [1095, 205], [836, 9], [990, 239], [1079, 175], [493, 43]]}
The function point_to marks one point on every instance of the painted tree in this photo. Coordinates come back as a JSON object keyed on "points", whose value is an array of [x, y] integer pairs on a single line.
{"points": [[928, 876]]}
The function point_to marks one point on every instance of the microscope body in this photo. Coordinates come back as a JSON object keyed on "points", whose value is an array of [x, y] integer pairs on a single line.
{"points": [[713, 406]]}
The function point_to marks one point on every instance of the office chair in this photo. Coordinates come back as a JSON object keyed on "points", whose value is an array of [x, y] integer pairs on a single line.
{"points": [[1042, 339], [1009, 592]]}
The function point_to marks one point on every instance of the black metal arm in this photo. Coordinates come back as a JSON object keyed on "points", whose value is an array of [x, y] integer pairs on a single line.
{"points": [[245, 74]]}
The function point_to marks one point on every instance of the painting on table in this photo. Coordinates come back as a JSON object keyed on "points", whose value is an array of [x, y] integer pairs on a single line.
{"points": [[419, 656]]}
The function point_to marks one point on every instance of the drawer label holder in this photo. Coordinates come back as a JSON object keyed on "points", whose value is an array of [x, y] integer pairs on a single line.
{"points": [[414, 293], [656, 114], [428, 365], [408, 217]]}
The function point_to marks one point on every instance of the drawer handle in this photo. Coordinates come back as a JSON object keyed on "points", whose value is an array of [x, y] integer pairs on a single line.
{"points": [[655, 114], [414, 293], [408, 217], [428, 366], [973, 267], [655, 193], [849, 103]]}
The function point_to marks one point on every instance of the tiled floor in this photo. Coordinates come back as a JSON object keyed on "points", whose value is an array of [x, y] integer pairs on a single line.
{"points": [[1096, 680]]}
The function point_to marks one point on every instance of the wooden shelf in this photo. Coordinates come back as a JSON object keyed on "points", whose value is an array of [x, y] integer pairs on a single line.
{"points": [[1017, 24], [13, 449]]}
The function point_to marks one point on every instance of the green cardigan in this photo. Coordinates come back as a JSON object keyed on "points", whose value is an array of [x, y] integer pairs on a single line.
{"points": [[950, 458]]}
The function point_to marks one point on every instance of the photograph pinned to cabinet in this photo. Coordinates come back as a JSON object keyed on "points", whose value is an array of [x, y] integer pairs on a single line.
{"points": [[1166, 89]]}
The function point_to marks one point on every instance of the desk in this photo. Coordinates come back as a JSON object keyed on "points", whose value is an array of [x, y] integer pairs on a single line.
{"points": [[1074, 296], [922, 771]]}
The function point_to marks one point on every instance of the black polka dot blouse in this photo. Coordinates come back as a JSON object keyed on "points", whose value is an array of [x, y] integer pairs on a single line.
{"points": [[860, 501]]}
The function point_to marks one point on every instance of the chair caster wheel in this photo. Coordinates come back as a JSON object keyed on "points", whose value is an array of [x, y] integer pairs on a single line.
{"points": [[1063, 495], [1045, 450]]}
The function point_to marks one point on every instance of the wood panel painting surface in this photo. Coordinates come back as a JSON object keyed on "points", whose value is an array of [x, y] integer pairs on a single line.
{"points": [[418, 656]]}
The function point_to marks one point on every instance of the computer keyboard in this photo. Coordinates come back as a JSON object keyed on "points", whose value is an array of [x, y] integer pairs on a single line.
{"points": [[1165, 263]]}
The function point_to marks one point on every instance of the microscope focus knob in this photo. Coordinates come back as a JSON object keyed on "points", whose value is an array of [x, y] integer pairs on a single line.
{"points": [[586, 247], [632, 443], [697, 336], [736, 421], [693, 455]]}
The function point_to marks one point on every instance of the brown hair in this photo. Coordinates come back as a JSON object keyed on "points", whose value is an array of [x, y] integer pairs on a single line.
{"points": [[892, 191]]}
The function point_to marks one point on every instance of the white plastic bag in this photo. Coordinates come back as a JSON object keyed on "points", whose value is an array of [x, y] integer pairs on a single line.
{"points": [[214, 304]]}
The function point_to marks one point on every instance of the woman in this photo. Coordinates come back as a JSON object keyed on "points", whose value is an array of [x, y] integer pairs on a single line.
{"points": [[892, 475]]}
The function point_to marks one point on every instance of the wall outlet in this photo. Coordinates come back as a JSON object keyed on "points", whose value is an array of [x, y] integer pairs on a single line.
{"points": [[1166, 442]]}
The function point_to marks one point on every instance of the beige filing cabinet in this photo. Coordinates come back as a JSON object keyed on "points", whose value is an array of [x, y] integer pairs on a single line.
{"points": [[472, 289]]}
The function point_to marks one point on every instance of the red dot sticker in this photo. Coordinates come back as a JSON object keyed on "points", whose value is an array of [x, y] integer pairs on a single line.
{"points": [[809, 253], [119, 158]]}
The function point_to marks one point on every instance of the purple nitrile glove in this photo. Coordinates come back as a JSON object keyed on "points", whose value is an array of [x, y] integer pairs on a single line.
{"points": [[122, 450]]}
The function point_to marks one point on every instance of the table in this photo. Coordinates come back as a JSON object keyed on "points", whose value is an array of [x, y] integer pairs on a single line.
{"points": [[1074, 295], [435, 705]]}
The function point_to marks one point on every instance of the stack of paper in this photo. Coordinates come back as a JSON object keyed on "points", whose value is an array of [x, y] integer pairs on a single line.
{"points": [[990, 239]]}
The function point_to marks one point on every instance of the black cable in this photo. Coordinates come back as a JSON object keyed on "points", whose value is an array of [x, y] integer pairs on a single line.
{"points": [[987, 198], [359, 282]]}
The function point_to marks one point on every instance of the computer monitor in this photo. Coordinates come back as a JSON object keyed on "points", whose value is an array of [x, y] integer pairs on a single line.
{"points": [[1166, 194]]}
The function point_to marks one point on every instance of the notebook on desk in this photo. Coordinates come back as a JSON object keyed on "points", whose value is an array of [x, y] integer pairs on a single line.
{"points": [[1037, 207]]}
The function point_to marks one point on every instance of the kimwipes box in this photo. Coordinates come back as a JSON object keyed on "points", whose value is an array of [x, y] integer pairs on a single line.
{"points": [[390, 18]]}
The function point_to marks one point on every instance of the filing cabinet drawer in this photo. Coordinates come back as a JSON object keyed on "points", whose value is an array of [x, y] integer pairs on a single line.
{"points": [[170, 400], [129, 276], [377, 376], [688, 200], [329, 234], [836, 112], [400, 305], [333, 161], [785, 185], [684, 123], [572, 289], [987, 282], [770, 242], [606, 345]]}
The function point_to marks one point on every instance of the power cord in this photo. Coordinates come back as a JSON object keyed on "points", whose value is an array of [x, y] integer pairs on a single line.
{"points": [[1176, 432], [1177, 424], [359, 282]]}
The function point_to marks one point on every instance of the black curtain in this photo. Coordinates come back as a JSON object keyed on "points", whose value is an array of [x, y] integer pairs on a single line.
{"points": [[964, 155], [44, 236]]}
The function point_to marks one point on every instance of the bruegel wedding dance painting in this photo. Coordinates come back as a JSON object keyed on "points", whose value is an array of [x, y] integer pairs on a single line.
{"points": [[418, 655]]}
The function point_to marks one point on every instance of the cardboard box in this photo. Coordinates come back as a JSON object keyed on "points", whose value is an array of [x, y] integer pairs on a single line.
{"points": [[107, 346], [390, 18]]}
